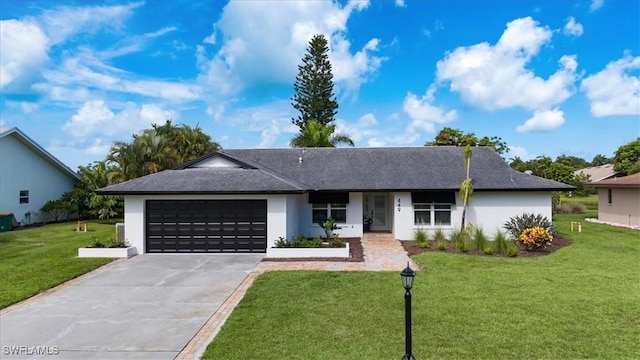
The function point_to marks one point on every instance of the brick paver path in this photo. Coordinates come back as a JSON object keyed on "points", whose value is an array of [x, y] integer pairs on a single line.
{"points": [[381, 253]]}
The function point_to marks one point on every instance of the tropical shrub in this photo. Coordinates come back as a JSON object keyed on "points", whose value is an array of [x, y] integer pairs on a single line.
{"points": [[460, 238], [479, 239], [442, 246], [337, 242], [420, 237], [300, 241], [571, 207], [517, 224], [513, 251], [438, 236], [500, 243], [488, 250], [535, 238]]}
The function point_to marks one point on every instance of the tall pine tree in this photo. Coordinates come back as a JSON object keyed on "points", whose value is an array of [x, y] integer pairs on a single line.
{"points": [[314, 97]]}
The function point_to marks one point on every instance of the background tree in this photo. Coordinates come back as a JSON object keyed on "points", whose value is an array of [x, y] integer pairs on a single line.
{"points": [[600, 160], [455, 137], [314, 97], [627, 158], [57, 209], [316, 135]]}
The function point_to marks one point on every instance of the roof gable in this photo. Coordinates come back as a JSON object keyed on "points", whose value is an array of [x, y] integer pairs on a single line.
{"points": [[31, 144]]}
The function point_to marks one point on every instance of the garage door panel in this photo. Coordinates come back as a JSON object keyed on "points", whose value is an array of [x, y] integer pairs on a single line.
{"points": [[206, 225]]}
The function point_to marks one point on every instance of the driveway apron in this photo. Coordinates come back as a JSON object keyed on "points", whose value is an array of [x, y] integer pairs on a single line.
{"points": [[147, 307]]}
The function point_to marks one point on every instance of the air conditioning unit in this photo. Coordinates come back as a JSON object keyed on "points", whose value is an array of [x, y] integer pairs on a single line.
{"points": [[120, 232]]}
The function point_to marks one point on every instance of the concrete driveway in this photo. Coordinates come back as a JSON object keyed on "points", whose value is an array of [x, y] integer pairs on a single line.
{"points": [[147, 307]]}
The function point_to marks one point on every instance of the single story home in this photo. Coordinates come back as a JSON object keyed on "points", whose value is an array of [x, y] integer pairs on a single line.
{"points": [[29, 177], [619, 200], [243, 200], [598, 173]]}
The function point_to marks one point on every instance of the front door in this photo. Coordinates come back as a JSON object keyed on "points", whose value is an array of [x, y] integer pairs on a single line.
{"points": [[375, 207]]}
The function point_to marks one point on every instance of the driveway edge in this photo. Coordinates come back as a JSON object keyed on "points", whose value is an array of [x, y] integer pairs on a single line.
{"points": [[57, 288], [198, 344]]}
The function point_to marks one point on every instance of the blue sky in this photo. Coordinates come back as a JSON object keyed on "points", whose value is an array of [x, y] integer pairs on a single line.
{"points": [[549, 77]]}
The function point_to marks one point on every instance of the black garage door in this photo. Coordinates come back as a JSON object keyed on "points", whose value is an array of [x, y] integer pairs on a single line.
{"points": [[206, 226]]}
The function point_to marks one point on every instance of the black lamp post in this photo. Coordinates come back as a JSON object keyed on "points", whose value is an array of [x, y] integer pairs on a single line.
{"points": [[407, 282]]}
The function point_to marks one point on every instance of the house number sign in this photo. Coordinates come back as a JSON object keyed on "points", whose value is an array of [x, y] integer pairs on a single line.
{"points": [[398, 204]]}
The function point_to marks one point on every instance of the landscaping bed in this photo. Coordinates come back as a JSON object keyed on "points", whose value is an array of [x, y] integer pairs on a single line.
{"points": [[558, 243], [356, 254]]}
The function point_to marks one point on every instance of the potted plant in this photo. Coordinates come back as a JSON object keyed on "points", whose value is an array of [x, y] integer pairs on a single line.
{"points": [[366, 223]]}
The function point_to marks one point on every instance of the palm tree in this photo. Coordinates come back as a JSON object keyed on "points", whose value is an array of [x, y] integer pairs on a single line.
{"points": [[466, 187], [316, 135]]}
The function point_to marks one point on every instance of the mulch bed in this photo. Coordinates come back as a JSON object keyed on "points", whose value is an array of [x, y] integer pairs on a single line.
{"points": [[558, 242], [355, 251]]}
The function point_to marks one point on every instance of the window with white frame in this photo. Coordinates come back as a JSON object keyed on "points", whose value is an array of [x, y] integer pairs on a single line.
{"points": [[24, 196], [337, 211], [432, 214]]}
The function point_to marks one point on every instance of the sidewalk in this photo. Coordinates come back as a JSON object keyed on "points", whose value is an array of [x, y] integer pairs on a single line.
{"points": [[381, 253]]}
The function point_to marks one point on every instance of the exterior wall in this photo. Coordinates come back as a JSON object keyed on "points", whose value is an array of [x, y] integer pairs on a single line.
{"points": [[134, 214], [624, 208], [293, 213], [403, 227], [488, 209], [21, 168], [352, 228], [492, 209]]}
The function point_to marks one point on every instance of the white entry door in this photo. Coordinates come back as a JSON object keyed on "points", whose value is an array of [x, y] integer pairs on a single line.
{"points": [[375, 206]]}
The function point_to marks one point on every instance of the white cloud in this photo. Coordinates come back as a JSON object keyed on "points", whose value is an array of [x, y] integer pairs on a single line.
{"points": [[424, 114], [86, 71], [96, 118], [98, 147], [543, 121], [400, 3], [572, 27], [407, 138], [363, 128], [613, 90], [519, 151], [64, 22], [246, 56], [269, 120], [23, 52], [595, 5], [495, 76]]}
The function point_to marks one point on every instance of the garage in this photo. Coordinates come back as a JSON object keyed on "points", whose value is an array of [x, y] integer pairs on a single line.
{"points": [[206, 226]]}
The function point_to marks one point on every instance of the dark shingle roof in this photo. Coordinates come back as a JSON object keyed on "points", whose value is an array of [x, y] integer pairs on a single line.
{"points": [[345, 169]]}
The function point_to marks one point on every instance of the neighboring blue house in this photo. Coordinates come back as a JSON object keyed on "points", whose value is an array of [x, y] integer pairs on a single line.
{"points": [[29, 177]]}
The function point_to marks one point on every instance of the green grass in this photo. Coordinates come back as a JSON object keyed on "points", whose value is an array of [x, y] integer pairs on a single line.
{"points": [[39, 258], [591, 201], [580, 302]]}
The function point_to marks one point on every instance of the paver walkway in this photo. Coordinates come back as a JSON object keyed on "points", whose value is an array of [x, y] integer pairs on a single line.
{"points": [[381, 253]]}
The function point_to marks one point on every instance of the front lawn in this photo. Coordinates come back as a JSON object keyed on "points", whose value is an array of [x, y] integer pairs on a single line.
{"points": [[38, 258], [582, 301]]}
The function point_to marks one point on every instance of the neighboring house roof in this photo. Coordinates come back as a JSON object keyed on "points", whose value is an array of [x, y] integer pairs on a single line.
{"points": [[623, 181], [597, 173], [30, 143], [336, 169]]}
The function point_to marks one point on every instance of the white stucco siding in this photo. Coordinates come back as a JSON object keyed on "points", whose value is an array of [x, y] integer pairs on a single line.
{"points": [[22, 168], [293, 214], [134, 214], [491, 210], [624, 208], [352, 228]]}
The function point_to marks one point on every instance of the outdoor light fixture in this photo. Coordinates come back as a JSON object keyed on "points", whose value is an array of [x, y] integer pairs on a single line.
{"points": [[407, 276]]}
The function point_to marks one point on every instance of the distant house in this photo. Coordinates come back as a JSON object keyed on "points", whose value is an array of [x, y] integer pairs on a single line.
{"points": [[619, 200], [243, 200], [598, 173], [29, 177]]}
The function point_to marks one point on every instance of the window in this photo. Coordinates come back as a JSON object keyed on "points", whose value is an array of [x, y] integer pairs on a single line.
{"points": [[609, 196], [432, 214], [337, 211], [24, 196]]}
